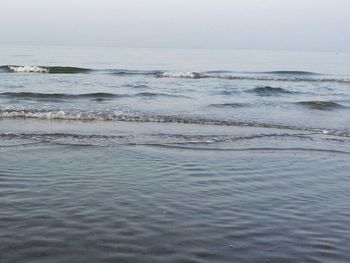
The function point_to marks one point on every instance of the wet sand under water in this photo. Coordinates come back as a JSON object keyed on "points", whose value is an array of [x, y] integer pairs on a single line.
{"points": [[65, 200]]}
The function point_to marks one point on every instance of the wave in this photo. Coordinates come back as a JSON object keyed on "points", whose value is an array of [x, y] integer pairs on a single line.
{"points": [[250, 149], [137, 86], [321, 105], [97, 95], [55, 136], [227, 105], [35, 95], [174, 141], [284, 76], [27, 69], [126, 72], [294, 73], [184, 75], [192, 139], [292, 76], [189, 138], [74, 70], [269, 91], [67, 70], [111, 116], [43, 69], [155, 94], [233, 74]]}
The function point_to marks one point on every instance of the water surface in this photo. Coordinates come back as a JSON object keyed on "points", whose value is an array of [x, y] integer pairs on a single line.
{"points": [[158, 155]]}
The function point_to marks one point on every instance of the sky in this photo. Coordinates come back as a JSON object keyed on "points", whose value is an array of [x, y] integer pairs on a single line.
{"points": [[319, 25]]}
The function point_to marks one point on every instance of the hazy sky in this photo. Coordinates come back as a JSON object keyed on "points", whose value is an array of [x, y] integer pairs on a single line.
{"points": [[243, 24]]}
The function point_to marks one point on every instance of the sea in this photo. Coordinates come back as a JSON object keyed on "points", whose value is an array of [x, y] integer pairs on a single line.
{"points": [[174, 155]]}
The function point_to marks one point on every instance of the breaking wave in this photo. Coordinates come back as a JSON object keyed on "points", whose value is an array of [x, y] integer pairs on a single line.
{"points": [[184, 75], [27, 69], [293, 76], [112, 116], [43, 69], [285, 76]]}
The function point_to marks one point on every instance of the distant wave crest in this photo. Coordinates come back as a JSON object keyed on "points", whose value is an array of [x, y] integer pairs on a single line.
{"points": [[185, 75], [291, 76], [27, 69], [293, 72], [43, 69]]}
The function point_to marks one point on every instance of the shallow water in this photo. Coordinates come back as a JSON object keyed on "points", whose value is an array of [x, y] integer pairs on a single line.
{"points": [[134, 155], [149, 204]]}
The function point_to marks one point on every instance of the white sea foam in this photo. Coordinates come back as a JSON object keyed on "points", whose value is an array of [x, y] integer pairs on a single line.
{"points": [[59, 114], [28, 69], [119, 116], [254, 76], [189, 75]]}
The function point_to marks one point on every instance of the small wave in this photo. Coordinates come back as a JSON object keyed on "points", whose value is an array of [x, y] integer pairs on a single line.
{"points": [[111, 116], [294, 73], [269, 91], [257, 149], [137, 86], [163, 138], [182, 75], [321, 105], [283, 76], [226, 92], [233, 138], [97, 95], [176, 138], [291, 76], [283, 79], [68, 70], [39, 96], [27, 69], [67, 139], [52, 136], [227, 105], [127, 72], [43, 69], [154, 94], [280, 141], [217, 72], [91, 116]]}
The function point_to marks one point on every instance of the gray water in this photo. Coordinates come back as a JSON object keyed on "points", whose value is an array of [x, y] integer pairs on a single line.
{"points": [[157, 155]]}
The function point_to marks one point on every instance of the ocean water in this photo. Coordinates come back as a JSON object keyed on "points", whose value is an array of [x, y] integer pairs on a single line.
{"points": [[165, 155]]}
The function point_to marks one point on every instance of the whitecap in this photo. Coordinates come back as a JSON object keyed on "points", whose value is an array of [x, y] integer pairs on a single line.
{"points": [[189, 75], [27, 69]]}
